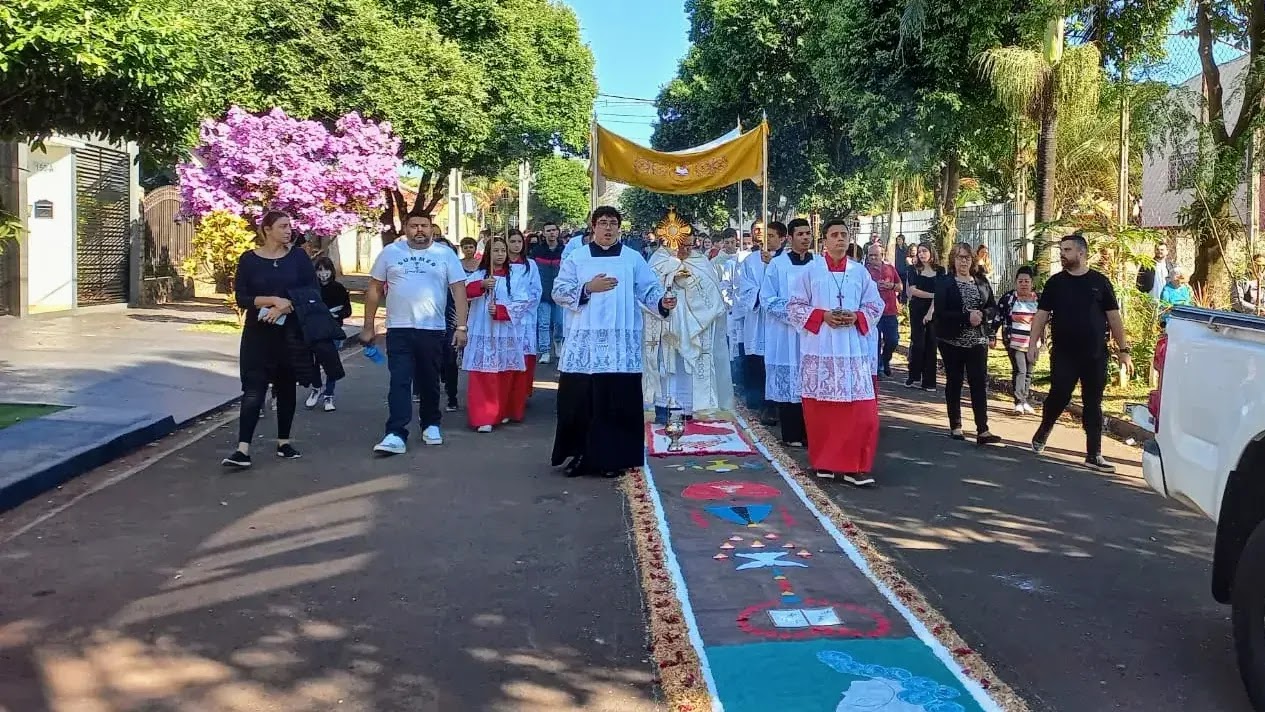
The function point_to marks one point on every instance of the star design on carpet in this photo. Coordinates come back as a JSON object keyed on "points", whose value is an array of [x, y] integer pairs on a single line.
{"points": [[687, 465], [765, 559]]}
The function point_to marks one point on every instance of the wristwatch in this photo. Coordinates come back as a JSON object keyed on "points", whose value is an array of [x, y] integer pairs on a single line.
{"points": [[463, 327]]}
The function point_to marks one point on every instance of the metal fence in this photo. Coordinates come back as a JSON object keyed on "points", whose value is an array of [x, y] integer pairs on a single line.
{"points": [[1000, 227]]}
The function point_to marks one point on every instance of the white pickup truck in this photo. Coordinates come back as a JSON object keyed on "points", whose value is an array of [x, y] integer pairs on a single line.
{"points": [[1209, 453]]}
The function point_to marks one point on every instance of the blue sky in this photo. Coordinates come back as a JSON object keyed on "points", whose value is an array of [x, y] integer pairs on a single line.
{"points": [[637, 44]]}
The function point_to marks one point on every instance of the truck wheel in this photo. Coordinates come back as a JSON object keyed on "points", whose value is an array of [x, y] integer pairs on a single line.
{"points": [[1248, 601]]}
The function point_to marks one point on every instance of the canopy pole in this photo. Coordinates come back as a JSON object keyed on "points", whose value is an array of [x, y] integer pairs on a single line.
{"points": [[739, 195], [593, 164], [764, 187]]}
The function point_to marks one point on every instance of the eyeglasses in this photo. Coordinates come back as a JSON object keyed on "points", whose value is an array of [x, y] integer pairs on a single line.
{"points": [[608, 223]]}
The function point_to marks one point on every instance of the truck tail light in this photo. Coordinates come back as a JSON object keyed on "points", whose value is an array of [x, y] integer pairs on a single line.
{"points": [[1153, 400]]}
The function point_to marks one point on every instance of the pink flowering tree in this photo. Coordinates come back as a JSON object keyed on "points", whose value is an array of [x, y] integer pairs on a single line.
{"points": [[328, 181]]}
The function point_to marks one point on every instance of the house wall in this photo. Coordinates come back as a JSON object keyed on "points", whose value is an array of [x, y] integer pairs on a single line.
{"points": [[1161, 206], [51, 241]]}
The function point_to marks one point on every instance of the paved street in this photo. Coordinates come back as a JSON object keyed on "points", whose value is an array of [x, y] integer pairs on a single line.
{"points": [[1084, 591], [471, 577], [465, 577]]}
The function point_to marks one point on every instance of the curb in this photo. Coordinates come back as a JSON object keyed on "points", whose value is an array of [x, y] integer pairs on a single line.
{"points": [[36, 482], [1113, 425]]}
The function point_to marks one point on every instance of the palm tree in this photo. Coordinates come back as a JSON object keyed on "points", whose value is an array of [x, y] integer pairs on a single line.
{"points": [[1038, 85]]}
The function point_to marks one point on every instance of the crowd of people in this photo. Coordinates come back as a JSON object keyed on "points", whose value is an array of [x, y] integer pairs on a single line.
{"points": [[800, 326]]}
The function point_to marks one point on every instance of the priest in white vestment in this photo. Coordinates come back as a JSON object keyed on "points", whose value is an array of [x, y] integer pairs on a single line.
{"points": [[750, 278], [781, 335], [686, 354], [601, 424], [836, 305]]}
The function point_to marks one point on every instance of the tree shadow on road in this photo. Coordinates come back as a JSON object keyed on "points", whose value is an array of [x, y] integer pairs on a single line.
{"points": [[346, 583]]}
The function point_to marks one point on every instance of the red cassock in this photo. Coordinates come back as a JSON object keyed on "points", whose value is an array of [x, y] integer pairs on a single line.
{"points": [[490, 395]]}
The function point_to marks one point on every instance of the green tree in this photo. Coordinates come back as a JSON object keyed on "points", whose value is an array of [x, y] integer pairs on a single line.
{"points": [[1223, 143], [644, 209], [746, 58], [902, 72], [560, 192], [114, 69]]}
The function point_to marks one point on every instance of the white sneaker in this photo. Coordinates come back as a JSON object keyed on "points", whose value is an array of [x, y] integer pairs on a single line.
{"points": [[1027, 408], [329, 404], [545, 358], [485, 429], [431, 436], [391, 445], [313, 397], [1019, 409]]}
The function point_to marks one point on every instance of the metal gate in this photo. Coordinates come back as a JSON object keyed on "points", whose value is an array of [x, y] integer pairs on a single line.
{"points": [[102, 182], [168, 235]]}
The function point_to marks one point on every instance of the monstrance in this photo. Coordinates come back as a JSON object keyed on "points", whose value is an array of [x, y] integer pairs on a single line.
{"points": [[673, 232]]}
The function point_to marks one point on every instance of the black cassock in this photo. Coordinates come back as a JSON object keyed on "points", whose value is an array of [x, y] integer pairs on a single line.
{"points": [[600, 419]]}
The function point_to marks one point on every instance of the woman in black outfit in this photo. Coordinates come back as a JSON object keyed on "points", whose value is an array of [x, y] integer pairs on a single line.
{"points": [[964, 311], [922, 277], [272, 351]]}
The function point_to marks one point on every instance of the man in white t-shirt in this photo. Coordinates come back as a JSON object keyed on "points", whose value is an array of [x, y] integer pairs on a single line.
{"points": [[417, 276]]}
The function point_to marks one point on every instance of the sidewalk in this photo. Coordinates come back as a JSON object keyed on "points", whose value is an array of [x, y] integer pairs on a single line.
{"points": [[130, 376], [468, 576]]}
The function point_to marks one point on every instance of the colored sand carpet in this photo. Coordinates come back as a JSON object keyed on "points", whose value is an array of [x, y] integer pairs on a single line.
{"points": [[782, 610]]}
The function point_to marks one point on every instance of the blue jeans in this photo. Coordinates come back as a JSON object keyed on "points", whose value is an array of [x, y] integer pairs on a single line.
{"points": [[414, 358], [548, 327], [735, 368], [888, 339]]}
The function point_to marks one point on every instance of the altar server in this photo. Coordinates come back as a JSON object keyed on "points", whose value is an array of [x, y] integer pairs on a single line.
{"points": [[527, 271], [749, 279], [781, 335], [499, 302], [601, 429], [836, 304]]}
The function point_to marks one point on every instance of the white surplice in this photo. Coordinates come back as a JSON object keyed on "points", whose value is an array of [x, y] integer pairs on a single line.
{"points": [[530, 274], [750, 277], [727, 267], [686, 353], [838, 365], [604, 334], [496, 346], [781, 335]]}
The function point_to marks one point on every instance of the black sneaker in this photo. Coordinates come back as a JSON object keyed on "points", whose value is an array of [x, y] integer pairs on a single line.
{"points": [[451, 407], [238, 459], [987, 439], [910, 384], [287, 452], [1099, 463], [1038, 441], [859, 479]]}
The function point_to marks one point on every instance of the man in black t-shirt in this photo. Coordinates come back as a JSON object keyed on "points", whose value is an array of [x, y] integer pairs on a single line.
{"points": [[1080, 305]]}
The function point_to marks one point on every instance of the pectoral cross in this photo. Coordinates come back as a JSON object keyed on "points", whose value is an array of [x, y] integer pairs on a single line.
{"points": [[840, 295]]}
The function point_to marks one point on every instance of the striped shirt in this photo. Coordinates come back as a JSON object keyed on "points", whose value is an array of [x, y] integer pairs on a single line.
{"points": [[1020, 323]]}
